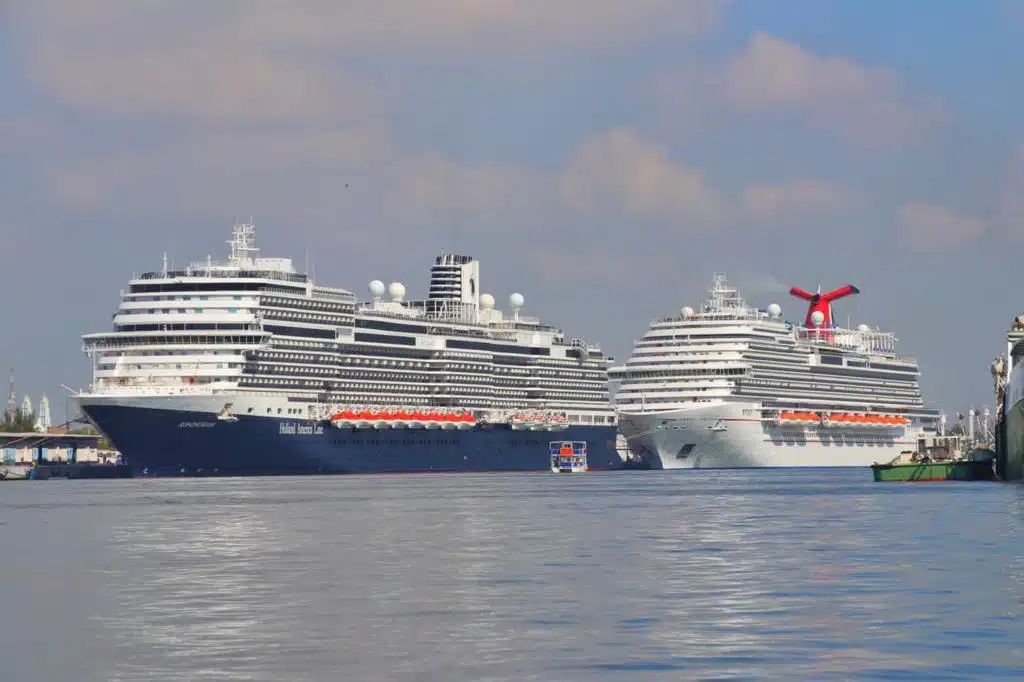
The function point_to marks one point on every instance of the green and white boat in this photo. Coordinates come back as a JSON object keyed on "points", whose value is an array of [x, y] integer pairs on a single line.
{"points": [[938, 458]]}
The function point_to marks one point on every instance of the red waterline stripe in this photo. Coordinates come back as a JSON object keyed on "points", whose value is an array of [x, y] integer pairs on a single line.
{"points": [[919, 480], [460, 472], [816, 440]]}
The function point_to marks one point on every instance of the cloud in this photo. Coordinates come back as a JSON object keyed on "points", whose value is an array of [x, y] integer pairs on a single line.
{"points": [[157, 61], [622, 173], [261, 60], [1011, 200], [797, 200], [480, 24], [933, 228], [589, 263], [617, 177], [772, 76], [209, 171], [265, 108]]}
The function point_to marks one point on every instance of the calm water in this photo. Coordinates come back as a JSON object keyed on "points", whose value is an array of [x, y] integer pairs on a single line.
{"points": [[630, 576]]}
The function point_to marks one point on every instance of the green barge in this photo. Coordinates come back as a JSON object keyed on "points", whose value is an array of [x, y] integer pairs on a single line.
{"points": [[938, 458]]}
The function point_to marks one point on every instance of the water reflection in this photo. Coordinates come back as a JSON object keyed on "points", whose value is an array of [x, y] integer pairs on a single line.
{"points": [[636, 576]]}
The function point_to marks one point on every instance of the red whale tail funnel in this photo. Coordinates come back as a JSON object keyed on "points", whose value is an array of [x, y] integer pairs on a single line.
{"points": [[822, 303]]}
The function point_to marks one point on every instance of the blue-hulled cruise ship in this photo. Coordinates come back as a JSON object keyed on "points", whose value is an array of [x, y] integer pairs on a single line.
{"points": [[248, 367]]}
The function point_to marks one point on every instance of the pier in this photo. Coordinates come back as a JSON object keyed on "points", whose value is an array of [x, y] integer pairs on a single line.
{"points": [[56, 454]]}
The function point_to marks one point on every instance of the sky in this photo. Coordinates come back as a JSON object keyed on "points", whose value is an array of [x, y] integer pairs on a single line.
{"points": [[603, 158]]}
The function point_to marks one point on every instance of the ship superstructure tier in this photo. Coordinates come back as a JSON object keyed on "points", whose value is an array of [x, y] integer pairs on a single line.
{"points": [[731, 385], [209, 356]]}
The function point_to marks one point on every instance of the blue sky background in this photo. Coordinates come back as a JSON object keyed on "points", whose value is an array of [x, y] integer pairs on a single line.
{"points": [[603, 158]]}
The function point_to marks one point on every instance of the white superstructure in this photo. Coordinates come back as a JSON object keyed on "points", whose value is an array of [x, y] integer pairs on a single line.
{"points": [[254, 336], [731, 385]]}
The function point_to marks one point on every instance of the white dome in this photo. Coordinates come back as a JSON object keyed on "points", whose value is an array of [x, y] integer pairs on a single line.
{"points": [[686, 311], [397, 291], [775, 310], [486, 301], [863, 327], [516, 301], [377, 288], [817, 317]]}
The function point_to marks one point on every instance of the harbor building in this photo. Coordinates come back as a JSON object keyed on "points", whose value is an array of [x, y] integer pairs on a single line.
{"points": [[57, 446]]}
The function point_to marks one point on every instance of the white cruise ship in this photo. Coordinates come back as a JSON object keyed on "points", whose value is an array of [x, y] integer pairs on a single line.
{"points": [[249, 367], [733, 386]]}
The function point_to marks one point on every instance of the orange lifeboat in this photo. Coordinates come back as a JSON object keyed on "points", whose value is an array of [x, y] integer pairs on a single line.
{"points": [[559, 422], [807, 418], [431, 419], [343, 419], [416, 419], [786, 418], [448, 420], [399, 418], [380, 419], [464, 421]]}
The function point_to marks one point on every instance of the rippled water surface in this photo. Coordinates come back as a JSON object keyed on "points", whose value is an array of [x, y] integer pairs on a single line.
{"points": [[628, 576]]}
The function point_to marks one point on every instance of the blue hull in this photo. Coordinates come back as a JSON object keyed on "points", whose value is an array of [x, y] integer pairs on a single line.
{"points": [[170, 443]]}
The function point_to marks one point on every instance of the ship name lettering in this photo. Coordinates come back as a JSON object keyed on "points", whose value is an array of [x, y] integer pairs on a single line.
{"points": [[293, 429], [196, 425]]}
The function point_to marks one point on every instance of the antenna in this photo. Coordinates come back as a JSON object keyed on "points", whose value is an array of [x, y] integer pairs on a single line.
{"points": [[456, 210], [243, 243]]}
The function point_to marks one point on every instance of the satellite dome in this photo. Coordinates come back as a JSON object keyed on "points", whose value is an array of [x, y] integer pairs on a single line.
{"points": [[863, 327], [377, 288], [516, 301], [486, 301], [817, 318], [775, 310], [686, 311], [397, 291]]}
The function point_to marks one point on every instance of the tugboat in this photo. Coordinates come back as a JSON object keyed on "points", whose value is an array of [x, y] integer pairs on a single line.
{"points": [[938, 458], [568, 456]]}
